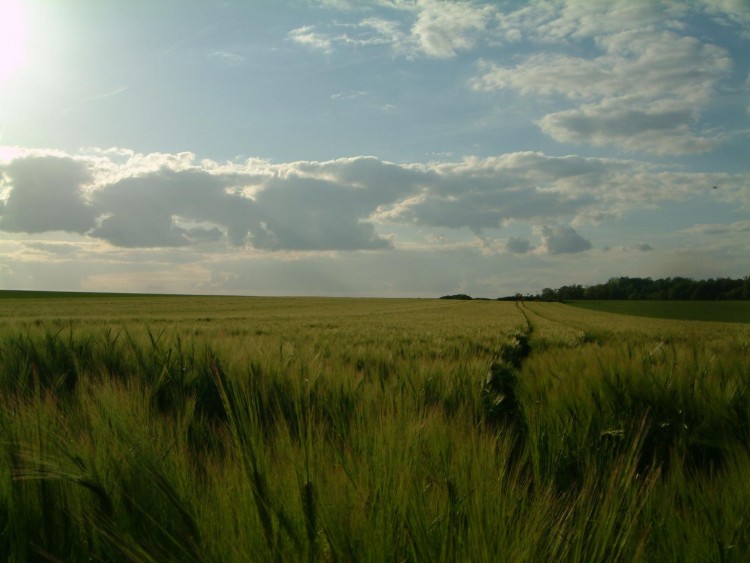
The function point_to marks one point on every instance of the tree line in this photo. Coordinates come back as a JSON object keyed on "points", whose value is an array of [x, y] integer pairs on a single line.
{"points": [[677, 288]]}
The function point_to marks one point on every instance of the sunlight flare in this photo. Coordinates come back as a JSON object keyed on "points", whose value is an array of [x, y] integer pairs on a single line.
{"points": [[13, 38]]}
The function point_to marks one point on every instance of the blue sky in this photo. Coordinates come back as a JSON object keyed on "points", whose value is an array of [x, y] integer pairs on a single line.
{"points": [[371, 147]]}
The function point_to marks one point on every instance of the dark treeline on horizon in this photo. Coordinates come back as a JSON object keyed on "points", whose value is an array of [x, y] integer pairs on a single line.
{"points": [[625, 288]]}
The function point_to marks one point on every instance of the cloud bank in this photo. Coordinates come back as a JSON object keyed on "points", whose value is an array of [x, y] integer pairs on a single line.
{"points": [[173, 200]]}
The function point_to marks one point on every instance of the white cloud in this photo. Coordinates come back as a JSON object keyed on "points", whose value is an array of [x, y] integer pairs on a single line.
{"points": [[644, 92], [349, 95], [618, 121], [643, 64], [307, 37], [443, 29], [729, 12], [575, 19], [432, 28], [228, 58]]}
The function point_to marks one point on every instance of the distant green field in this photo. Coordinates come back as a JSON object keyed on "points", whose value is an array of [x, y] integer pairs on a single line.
{"points": [[722, 311]]}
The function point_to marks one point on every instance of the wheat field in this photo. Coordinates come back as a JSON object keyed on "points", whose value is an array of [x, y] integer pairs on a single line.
{"points": [[158, 428]]}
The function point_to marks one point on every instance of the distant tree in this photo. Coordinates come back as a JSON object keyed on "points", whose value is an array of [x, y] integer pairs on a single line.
{"points": [[459, 296], [548, 294]]}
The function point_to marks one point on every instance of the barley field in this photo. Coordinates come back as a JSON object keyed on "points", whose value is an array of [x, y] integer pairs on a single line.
{"points": [[171, 428]]}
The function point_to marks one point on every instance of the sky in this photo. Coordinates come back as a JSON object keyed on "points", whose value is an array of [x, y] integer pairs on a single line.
{"points": [[390, 148]]}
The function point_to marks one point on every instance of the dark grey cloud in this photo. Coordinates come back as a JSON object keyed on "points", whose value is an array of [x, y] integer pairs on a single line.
{"points": [[146, 210], [300, 206], [47, 195], [312, 214], [562, 240], [518, 245], [481, 195], [644, 247], [158, 200]]}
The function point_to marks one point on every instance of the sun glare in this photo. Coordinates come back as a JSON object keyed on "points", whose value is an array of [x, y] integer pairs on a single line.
{"points": [[13, 38]]}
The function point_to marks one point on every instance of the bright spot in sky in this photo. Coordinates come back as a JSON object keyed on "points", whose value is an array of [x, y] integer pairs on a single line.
{"points": [[13, 37]]}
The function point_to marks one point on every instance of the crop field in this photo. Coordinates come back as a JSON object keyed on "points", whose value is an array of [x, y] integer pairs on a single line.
{"points": [[136, 428], [728, 311]]}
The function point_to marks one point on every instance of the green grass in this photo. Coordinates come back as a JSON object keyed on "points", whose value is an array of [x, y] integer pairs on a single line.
{"points": [[719, 311], [226, 429]]}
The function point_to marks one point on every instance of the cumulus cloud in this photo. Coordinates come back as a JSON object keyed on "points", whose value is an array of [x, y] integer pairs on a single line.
{"points": [[560, 239], [643, 247], [145, 211], [47, 194], [137, 204], [159, 200], [481, 194]]}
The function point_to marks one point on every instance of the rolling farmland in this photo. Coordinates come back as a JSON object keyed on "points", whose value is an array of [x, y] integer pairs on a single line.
{"points": [[157, 428]]}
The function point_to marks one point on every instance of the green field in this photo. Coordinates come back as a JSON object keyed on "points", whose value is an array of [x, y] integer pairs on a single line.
{"points": [[727, 311], [136, 428]]}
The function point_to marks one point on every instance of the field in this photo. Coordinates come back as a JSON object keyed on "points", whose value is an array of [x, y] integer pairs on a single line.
{"points": [[165, 428], [728, 311]]}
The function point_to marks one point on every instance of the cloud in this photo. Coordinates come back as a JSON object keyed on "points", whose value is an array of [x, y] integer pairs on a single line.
{"points": [[664, 131], [314, 214], [643, 247], [228, 58], [518, 245], [348, 95], [428, 28], [144, 210], [481, 194], [151, 201], [157, 200], [53, 248], [643, 92], [561, 240], [47, 194], [307, 37], [729, 13], [443, 29], [719, 228]]}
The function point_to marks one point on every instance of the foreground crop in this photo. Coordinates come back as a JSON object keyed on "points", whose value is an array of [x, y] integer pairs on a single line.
{"points": [[369, 430]]}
